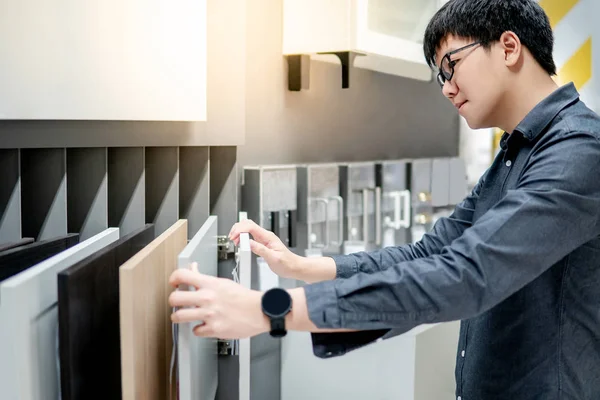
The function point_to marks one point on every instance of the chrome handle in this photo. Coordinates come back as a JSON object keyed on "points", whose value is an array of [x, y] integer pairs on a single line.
{"points": [[326, 241], [340, 202], [378, 216], [401, 209], [365, 193], [406, 203], [365, 210]]}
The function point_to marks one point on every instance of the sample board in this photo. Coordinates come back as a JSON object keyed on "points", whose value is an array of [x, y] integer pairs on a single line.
{"points": [[29, 323], [244, 266], [197, 367], [12, 245], [88, 311], [146, 337], [18, 259]]}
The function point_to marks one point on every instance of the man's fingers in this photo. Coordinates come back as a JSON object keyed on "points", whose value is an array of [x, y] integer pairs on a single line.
{"points": [[259, 249], [183, 276], [183, 298], [189, 315], [204, 330], [194, 267], [259, 233]]}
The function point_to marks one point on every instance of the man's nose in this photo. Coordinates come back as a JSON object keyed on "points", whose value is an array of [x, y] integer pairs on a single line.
{"points": [[449, 89]]}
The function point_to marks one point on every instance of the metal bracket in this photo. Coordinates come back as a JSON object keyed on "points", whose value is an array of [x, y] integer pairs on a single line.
{"points": [[228, 347], [299, 68], [347, 60], [225, 248], [298, 72]]}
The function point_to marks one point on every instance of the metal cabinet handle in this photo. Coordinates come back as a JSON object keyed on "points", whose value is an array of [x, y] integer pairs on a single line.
{"points": [[378, 227], [340, 202], [401, 209], [325, 243], [365, 193], [406, 195]]}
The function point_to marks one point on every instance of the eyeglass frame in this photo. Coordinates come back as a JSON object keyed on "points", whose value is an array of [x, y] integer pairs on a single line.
{"points": [[441, 76]]}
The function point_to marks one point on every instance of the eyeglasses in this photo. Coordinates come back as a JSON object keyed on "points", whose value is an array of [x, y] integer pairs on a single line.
{"points": [[447, 65]]}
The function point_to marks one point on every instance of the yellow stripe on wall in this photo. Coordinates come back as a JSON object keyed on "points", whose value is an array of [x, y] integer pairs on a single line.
{"points": [[578, 68], [557, 9]]}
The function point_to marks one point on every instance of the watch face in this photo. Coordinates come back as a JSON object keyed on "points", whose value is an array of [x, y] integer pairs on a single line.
{"points": [[276, 302]]}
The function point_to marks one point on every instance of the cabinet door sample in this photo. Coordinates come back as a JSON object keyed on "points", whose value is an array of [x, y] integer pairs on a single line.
{"points": [[18, 259], [196, 356], [18, 243], [29, 323], [88, 315], [146, 338], [245, 272]]}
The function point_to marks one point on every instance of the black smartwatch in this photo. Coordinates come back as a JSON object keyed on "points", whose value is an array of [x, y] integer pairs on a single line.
{"points": [[276, 304]]}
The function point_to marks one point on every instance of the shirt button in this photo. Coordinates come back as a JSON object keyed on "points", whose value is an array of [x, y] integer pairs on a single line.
{"points": [[462, 354], [508, 163]]}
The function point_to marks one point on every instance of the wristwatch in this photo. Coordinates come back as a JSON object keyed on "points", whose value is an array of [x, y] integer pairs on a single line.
{"points": [[276, 304]]}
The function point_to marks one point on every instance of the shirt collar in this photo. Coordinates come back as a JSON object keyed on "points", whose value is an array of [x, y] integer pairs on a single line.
{"points": [[544, 112]]}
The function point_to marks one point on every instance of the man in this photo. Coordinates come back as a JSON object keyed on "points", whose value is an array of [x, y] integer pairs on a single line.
{"points": [[518, 261]]}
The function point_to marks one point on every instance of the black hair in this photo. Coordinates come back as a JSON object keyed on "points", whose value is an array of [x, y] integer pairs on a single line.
{"points": [[485, 21]]}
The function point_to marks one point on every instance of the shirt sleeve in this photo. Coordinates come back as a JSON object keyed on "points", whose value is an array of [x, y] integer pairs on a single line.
{"points": [[445, 230], [554, 209]]}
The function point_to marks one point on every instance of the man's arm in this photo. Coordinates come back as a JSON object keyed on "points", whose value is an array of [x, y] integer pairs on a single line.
{"points": [[554, 209]]}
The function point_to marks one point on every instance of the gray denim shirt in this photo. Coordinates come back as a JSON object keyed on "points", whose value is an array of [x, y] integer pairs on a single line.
{"points": [[518, 262]]}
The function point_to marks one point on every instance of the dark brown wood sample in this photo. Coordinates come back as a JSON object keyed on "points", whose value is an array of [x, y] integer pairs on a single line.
{"points": [[88, 313]]}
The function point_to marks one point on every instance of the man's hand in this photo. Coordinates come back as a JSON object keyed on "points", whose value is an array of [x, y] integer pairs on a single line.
{"points": [[222, 308], [267, 245]]}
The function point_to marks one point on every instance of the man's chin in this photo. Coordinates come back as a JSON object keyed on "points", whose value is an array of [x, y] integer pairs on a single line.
{"points": [[476, 124]]}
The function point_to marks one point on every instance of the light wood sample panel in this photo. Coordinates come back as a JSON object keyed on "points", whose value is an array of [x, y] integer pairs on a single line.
{"points": [[146, 339]]}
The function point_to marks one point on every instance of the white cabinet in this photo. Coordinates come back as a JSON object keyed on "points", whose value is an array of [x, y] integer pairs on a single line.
{"points": [[388, 34], [103, 60]]}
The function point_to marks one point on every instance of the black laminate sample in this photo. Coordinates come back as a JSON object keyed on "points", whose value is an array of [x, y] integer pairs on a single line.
{"points": [[12, 245], [18, 259]]}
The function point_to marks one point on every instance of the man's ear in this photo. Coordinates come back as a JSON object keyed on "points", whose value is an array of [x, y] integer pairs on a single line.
{"points": [[511, 47]]}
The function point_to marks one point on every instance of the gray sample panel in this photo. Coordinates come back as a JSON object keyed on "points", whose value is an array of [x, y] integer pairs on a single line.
{"points": [[10, 196], [162, 187], [396, 198], [87, 191], [420, 178], [197, 357], [245, 365], [194, 186], [357, 187], [44, 193], [29, 323], [126, 183], [320, 208], [458, 181], [440, 182]]}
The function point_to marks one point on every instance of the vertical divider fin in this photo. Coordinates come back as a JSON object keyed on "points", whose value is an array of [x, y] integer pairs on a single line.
{"points": [[87, 191]]}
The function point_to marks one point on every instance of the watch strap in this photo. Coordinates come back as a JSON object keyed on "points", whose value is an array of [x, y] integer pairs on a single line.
{"points": [[278, 327]]}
